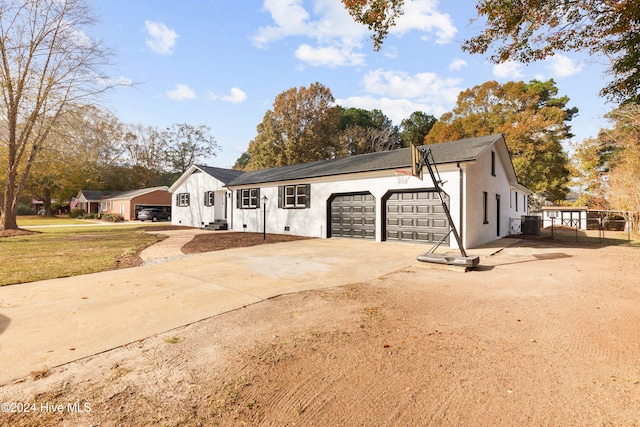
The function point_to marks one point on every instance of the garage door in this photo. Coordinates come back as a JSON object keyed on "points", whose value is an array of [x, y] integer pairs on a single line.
{"points": [[353, 215], [416, 216]]}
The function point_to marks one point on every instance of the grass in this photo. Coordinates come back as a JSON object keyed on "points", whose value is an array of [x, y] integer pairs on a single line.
{"points": [[69, 251], [36, 220]]}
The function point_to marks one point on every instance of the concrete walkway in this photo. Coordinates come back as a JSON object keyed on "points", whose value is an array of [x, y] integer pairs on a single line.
{"points": [[53, 322], [170, 248]]}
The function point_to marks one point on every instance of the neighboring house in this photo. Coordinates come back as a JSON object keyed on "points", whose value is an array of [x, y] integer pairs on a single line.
{"points": [[125, 203], [91, 200], [372, 196], [200, 197]]}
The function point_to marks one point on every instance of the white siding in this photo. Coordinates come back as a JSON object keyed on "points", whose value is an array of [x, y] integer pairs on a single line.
{"points": [[197, 214], [313, 221], [479, 180]]}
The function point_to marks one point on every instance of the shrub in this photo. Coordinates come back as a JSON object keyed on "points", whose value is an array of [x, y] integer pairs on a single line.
{"points": [[76, 213], [25, 210], [112, 218]]}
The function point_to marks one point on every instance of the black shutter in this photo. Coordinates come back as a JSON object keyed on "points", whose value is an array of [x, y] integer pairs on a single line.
{"points": [[238, 199], [308, 194], [258, 198], [280, 196]]}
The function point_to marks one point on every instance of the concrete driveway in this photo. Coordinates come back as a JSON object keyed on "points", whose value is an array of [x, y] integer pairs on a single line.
{"points": [[52, 322]]}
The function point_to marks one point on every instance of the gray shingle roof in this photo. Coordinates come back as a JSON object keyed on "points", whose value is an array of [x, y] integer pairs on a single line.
{"points": [[97, 195], [135, 193], [446, 152], [223, 175]]}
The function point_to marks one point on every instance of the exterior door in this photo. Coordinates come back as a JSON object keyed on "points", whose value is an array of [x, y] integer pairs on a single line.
{"points": [[353, 215], [416, 216]]}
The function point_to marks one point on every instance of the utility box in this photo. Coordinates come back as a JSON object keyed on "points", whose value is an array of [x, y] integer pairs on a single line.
{"points": [[531, 225]]}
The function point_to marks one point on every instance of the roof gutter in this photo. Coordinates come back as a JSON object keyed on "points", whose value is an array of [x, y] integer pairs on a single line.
{"points": [[461, 184]]}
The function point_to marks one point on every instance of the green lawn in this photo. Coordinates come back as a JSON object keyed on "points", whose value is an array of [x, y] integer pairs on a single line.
{"points": [[69, 250]]}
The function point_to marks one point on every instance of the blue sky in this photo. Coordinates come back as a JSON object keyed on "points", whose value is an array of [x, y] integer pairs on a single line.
{"points": [[222, 63]]}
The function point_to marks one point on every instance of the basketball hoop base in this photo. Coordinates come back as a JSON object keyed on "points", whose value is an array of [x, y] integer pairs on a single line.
{"points": [[448, 259]]}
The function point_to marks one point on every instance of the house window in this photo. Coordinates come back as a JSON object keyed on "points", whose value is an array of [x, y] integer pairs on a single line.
{"points": [[294, 196], [182, 199], [209, 198], [248, 198], [493, 163], [485, 198]]}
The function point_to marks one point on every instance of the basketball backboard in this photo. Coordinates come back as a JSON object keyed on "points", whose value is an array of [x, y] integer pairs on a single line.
{"points": [[416, 161]]}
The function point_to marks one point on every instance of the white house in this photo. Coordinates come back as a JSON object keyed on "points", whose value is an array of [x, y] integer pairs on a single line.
{"points": [[373, 196], [200, 198]]}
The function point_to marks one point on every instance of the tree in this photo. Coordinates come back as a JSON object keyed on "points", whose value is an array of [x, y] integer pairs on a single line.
{"points": [[363, 131], [301, 128], [615, 155], [533, 120], [47, 62], [82, 149], [377, 15], [416, 128], [186, 144], [592, 164], [528, 31], [242, 161]]}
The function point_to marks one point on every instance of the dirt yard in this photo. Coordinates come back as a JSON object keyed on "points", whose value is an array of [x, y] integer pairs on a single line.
{"points": [[542, 334]]}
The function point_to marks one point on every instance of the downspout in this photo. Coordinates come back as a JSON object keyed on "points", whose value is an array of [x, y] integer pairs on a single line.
{"points": [[461, 183], [229, 207]]}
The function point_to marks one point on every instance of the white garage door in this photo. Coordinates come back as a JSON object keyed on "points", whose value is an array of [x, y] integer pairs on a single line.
{"points": [[416, 216], [353, 215]]}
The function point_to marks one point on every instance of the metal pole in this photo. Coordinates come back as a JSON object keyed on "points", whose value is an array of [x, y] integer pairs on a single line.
{"points": [[436, 182]]}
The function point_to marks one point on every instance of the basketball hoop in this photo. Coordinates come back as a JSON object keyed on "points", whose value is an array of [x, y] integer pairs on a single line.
{"points": [[416, 161], [402, 176]]}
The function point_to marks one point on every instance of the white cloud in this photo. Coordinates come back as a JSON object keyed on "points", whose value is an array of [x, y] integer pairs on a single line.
{"points": [[291, 19], [337, 37], [399, 84], [335, 33], [508, 70], [120, 81], [563, 66], [180, 93], [396, 109], [331, 56], [161, 39], [457, 64], [399, 94], [236, 96], [423, 15]]}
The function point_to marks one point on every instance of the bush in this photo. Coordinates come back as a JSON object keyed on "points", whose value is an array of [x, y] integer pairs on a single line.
{"points": [[112, 218], [76, 213], [25, 210]]}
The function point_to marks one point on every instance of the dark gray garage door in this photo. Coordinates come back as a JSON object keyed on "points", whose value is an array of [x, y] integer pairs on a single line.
{"points": [[416, 216], [353, 215]]}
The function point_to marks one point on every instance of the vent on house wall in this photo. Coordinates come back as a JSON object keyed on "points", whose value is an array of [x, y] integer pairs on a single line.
{"points": [[286, 228]]}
